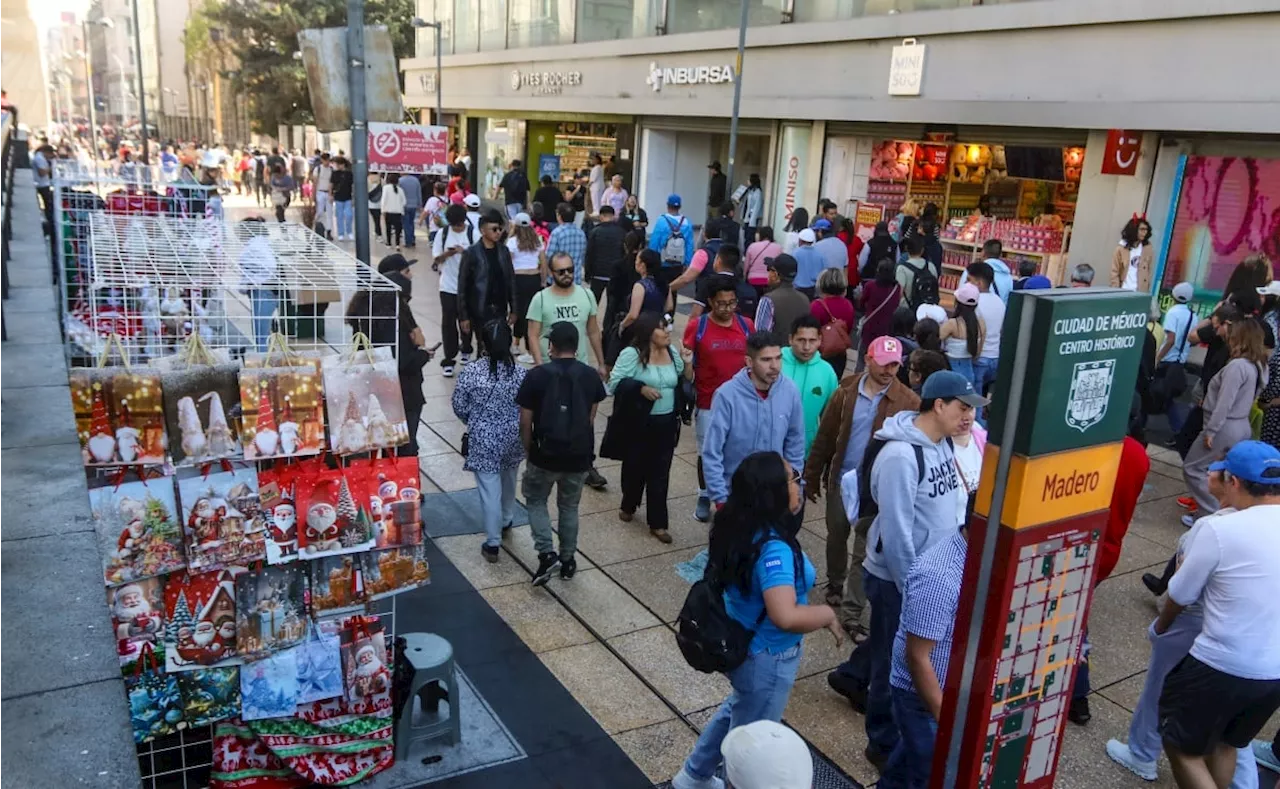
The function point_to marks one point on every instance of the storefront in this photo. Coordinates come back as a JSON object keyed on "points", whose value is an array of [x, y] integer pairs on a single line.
{"points": [[548, 145]]}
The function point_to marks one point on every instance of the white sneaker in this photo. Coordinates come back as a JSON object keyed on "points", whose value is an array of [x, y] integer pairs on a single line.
{"points": [[525, 358], [1121, 755], [684, 780], [448, 372], [464, 359]]}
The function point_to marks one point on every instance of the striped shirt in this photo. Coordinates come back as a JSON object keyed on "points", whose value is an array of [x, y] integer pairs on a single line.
{"points": [[930, 598]]}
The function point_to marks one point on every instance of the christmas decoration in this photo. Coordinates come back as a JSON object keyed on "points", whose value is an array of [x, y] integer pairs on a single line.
{"points": [[137, 528], [319, 668], [269, 687], [353, 436], [155, 705], [281, 412], [201, 631], [372, 415], [195, 401], [390, 485], [395, 570], [137, 621], [271, 608], [120, 416], [337, 582], [209, 694], [334, 523], [223, 521], [366, 678]]}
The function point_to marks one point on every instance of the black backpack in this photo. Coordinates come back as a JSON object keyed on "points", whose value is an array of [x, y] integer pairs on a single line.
{"points": [[924, 285], [867, 506], [712, 248], [710, 639], [564, 426]]}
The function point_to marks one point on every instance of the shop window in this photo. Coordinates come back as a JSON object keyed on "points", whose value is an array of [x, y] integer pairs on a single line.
{"points": [[827, 10], [687, 16], [540, 23], [609, 20], [493, 25], [466, 26]]}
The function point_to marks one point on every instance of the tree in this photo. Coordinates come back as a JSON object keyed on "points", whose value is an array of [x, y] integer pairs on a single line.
{"points": [[263, 35]]}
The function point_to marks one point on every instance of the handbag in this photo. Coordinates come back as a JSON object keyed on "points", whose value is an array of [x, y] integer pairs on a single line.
{"points": [[835, 335]]}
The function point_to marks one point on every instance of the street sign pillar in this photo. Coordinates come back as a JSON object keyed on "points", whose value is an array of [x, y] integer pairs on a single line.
{"points": [[1068, 365]]}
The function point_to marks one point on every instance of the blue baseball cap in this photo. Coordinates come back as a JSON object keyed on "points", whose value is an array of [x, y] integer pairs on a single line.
{"points": [[946, 384], [1251, 461], [1037, 282], [673, 200], [821, 224]]}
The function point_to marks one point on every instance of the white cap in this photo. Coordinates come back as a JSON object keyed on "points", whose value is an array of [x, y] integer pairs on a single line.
{"points": [[1272, 289], [766, 755], [807, 236], [522, 220], [472, 200], [931, 311], [1185, 291]]}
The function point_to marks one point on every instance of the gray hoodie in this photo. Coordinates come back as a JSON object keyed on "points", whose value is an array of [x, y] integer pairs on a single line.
{"points": [[913, 515]]}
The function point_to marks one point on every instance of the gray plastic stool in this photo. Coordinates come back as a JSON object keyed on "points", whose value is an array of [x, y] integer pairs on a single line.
{"points": [[434, 678]]}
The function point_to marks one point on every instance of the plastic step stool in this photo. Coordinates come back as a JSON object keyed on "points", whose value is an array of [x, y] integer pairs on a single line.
{"points": [[435, 678]]}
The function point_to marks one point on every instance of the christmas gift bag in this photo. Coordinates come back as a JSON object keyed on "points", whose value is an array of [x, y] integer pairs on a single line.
{"points": [[276, 487], [269, 686], [209, 694], [335, 523], [222, 518], [393, 490], [395, 570], [282, 412], [137, 621], [337, 582], [241, 760], [155, 705], [366, 410], [271, 608], [200, 613], [136, 521], [196, 403], [119, 416], [366, 678], [319, 667]]}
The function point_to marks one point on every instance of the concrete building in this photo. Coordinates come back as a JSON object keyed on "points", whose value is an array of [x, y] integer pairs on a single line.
{"points": [[1096, 111], [64, 64], [115, 63], [22, 65]]}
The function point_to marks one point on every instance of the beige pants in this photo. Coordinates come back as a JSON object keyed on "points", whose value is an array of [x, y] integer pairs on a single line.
{"points": [[844, 570]]}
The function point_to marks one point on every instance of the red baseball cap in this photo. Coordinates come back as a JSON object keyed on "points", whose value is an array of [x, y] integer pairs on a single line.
{"points": [[885, 350]]}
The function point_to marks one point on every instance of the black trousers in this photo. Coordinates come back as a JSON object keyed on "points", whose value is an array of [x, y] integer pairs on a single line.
{"points": [[376, 214], [527, 286], [598, 286], [449, 329], [838, 363], [413, 418], [394, 223], [647, 470]]}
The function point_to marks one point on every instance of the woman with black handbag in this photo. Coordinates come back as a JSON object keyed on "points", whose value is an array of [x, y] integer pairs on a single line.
{"points": [[650, 443], [485, 400], [757, 562]]}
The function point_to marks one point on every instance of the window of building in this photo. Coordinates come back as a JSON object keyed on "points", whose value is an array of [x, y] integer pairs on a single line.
{"points": [[539, 23], [609, 20], [687, 16], [493, 25], [828, 10], [466, 26]]}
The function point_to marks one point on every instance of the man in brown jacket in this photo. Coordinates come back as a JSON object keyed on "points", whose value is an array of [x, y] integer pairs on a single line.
{"points": [[856, 411]]}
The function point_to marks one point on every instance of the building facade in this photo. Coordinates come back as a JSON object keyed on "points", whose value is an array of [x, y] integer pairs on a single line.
{"points": [[868, 102]]}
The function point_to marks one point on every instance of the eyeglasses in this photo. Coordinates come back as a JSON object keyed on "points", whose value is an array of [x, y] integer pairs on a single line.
{"points": [[725, 305], [559, 271]]}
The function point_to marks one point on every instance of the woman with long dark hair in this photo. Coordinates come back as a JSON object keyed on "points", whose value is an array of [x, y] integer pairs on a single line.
{"points": [[646, 467], [756, 559], [880, 297], [393, 208], [964, 332], [1134, 260], [880, 247], [755, 261], [529, 261], [1249, 274], [485, 400], [799, 221]]}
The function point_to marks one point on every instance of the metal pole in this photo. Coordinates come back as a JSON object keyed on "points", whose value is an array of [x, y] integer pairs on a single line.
{"points": [[737, 95], [439, 101], [142, 91], [88, 81], [359, 127]]}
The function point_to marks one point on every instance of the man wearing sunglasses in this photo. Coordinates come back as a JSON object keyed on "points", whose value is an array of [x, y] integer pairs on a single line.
{"points": [[486, 280]]}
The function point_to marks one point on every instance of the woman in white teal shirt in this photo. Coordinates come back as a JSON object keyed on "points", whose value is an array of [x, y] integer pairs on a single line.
{"points": [[646, 467]]}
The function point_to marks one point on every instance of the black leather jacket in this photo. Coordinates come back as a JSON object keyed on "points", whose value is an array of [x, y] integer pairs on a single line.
{"points": [[473, 284]]}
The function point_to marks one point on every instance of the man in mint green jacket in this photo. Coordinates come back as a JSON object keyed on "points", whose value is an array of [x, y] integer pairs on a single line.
{"points": [[812, 375]]}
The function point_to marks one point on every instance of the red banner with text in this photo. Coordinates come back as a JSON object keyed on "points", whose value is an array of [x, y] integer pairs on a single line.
{"points": [[403, 148]]}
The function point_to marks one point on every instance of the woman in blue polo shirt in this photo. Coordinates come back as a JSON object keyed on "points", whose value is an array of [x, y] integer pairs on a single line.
{"points": [[755, 556]]}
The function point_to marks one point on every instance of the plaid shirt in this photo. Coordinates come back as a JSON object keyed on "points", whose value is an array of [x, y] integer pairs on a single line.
{"points": [[571, 241], [930, 599]]}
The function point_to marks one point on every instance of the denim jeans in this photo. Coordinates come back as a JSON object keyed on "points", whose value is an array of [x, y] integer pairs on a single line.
{"points": [[910, 763], [322, 208], [410, 214], [513, 209], [344, 216], [1167, 649], [497, 499], [761, 688], [964, 367], [870, 660], [264, 304], [537, 489]]}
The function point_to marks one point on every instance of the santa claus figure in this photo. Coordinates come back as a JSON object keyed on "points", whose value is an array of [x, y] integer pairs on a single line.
{"points": [[132, 537], [322, 528], [284, 528], [199, 646], [371, 675], [135, 619], [194, 444], [205, 522], [223, 643]]}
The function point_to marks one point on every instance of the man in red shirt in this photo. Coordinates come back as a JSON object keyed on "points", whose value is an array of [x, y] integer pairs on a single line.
{"points": [[718, 339]]}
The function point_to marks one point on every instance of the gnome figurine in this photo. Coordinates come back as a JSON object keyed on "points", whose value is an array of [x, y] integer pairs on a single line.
{"points": [[102, 441], [221, 442], [127, 437], [381, 433], [194, 444], [265, 437], [288, 430], [352, 436]]}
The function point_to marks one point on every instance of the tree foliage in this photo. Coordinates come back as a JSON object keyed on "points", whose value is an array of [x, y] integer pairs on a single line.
{"points": [[263, 35]]}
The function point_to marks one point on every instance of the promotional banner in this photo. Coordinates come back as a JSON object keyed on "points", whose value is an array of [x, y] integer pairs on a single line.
{"points": [[403, 148], [794, 157]]}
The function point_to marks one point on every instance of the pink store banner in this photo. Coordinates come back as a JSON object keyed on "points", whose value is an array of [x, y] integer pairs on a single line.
{"points": [[404, 148]]}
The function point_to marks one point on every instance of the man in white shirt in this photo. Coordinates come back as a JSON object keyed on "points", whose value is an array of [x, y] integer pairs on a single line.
{"points": [[1177, 326], [259, 276], [446, 256], [1222, 694], [472, 202], [991, 310], [320, 183]]}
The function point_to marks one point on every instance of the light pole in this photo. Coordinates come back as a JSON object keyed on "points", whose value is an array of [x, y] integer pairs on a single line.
{"points": [[419, 22], [142, 91], [737, 94], [356, 70], [124, 94], [88, 80]]}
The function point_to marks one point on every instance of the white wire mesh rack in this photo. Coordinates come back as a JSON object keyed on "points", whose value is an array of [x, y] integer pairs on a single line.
{"points": [[154, 280]]}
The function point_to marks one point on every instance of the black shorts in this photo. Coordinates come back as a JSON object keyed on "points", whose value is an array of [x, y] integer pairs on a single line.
{"points": [[1201, 707]]}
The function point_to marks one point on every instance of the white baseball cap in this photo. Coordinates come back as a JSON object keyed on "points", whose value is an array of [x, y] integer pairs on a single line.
{"points": [[766, 755], [1185, 291], [807, 236], [1272, 288], [472, 200], [522, 220], [931, 311]]}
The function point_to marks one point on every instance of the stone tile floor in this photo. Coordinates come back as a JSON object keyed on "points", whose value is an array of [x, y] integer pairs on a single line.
{"points": [[606, 635]]}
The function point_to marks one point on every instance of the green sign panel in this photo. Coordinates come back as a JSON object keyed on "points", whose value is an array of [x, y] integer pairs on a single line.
{"points": [[1082, 366]]}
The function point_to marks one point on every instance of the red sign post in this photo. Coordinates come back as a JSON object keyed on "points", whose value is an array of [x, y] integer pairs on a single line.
{"points": [[1121, 154], [403, 148]]}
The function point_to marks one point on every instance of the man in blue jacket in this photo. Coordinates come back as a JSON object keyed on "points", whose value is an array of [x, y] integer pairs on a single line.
{"points": [[757, 410], [1002, 283], [671, 236]]}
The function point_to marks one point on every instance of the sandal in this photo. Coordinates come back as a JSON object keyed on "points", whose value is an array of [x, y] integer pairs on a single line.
{"points": [[625, 516], [662, 535]]}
